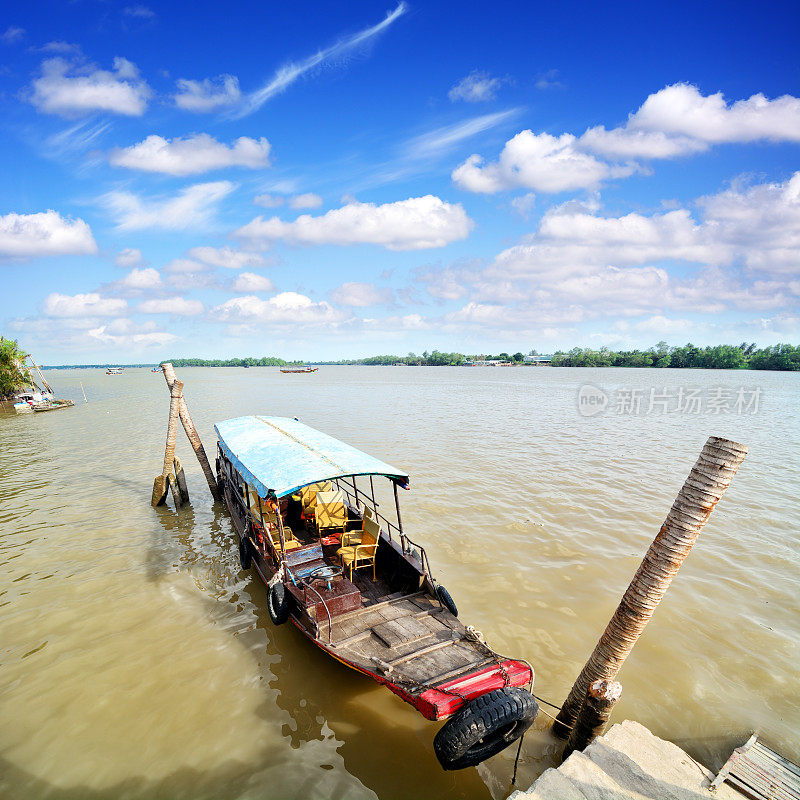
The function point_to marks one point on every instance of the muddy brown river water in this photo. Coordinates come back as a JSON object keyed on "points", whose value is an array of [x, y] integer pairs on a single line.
{"points": [[138, 661]]}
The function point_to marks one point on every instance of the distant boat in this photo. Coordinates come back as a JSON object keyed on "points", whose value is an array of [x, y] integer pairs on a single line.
{"points": [[155, 369], [114, 371], [27, 400], [300, 369], [53, 405]]}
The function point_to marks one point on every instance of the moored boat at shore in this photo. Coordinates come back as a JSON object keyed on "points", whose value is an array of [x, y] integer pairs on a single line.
{"points": [[114, 371], [299, 369], [352, 582]]}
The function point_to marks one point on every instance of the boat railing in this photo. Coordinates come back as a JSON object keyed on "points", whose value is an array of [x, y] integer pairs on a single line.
{"points": [[306, 585], [360, 498], [423, 555], [364, 499]]}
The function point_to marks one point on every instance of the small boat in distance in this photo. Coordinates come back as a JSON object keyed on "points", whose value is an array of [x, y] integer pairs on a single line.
{"points": [[28, 399], [354, 584], [306, 368], [156, 369], [115, 371], [53, 405]]}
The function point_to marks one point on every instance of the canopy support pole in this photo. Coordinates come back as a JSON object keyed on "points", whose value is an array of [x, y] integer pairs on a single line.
{"points": [[355, 489], [280, 529], [399, 519]]}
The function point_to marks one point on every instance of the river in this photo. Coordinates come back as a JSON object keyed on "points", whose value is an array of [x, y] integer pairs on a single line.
{"points": [[138, 661]]}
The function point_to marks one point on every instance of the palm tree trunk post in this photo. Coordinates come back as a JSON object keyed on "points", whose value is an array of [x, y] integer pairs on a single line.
{"points": [[167, 479], [600, 699], [703, 489], [191, 432]]}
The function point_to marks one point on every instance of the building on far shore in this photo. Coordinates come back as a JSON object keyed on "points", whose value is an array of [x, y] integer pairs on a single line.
{"points": [[538, 361]]}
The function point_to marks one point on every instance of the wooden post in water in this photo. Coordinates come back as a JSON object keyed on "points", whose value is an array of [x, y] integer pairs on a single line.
{"points": [[593, 715], [703, 489], [167, 480], [191, 432]]}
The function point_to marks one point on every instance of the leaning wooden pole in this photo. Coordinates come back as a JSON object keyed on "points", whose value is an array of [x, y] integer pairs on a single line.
{"points": [[191, 432], [703, 489]]}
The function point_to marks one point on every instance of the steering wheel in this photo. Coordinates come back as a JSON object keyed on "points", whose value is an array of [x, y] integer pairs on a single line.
{"points": [[326, 573]]}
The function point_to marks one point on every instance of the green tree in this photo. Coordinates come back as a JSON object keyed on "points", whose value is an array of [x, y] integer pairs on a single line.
{"points": [[518, 357], [14, 374]]}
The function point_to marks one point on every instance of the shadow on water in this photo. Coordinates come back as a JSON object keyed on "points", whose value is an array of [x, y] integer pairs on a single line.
{"points": [[383, 743]]}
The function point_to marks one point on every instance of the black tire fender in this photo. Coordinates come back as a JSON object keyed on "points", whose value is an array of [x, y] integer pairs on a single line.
{"points": [[484, 726], [446, 600], [245, 554], [279, 604]]}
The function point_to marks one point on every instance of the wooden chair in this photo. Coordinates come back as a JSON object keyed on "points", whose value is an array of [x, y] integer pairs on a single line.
{"points": [[362, 555], [330, 512], [354, 536], [271, 526], [308, 500]]}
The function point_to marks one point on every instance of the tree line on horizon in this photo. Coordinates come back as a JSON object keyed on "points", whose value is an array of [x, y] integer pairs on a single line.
{"points": [[785, 357]]}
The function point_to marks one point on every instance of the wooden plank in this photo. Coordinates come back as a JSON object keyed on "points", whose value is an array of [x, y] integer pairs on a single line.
{"points": [[453, 673], [380, 605], [747, 770], [768, 785], [778, 759], [422, 651], [401, 631], [774, 769]]}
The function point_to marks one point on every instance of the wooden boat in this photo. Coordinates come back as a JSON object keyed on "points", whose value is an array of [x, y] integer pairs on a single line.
{"points": [[300, 369], [352, 582], [114, 371], [53, 405]]}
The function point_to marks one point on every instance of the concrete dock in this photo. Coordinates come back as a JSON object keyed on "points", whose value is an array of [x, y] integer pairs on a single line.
{"points": [[627, 763]]}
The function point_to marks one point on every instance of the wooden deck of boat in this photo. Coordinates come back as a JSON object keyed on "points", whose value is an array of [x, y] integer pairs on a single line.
{"points": [[408, 639]]}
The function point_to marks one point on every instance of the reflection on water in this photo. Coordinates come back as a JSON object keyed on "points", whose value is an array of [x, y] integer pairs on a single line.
{"points": [[137, 660]]}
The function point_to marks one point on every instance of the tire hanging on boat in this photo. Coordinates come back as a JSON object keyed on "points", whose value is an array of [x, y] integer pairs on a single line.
{"points": [[279, 604], [446, 600], [484, 727]]}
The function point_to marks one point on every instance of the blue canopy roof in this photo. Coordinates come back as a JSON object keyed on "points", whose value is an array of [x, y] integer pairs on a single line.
{"points": [[284, 455]]}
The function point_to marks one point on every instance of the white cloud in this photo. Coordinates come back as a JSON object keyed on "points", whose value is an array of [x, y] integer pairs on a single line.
{"points": [[191, 156], [675, 121], [69, 89], [227, 257], [129, 257], [682, 110], [762, 222], [679, 120], [412, 224], [177, 306], [211, 94], [360, 295], [141, 279], [285, 308], [44, 234], [130, 337], [139, 11], [523, 204], [291, 72], [192, 207], [442, 139], [308, 200], [476, 87], [252, 282], [540, 162], [12, 34], [269, 200], [744, 246], [83, 305]]}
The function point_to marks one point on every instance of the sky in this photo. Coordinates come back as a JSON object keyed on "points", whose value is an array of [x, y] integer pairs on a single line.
{"points": [[331, 180]]}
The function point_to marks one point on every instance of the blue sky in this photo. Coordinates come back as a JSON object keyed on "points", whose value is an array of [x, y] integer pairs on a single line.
{"points": [[326, 181]]}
